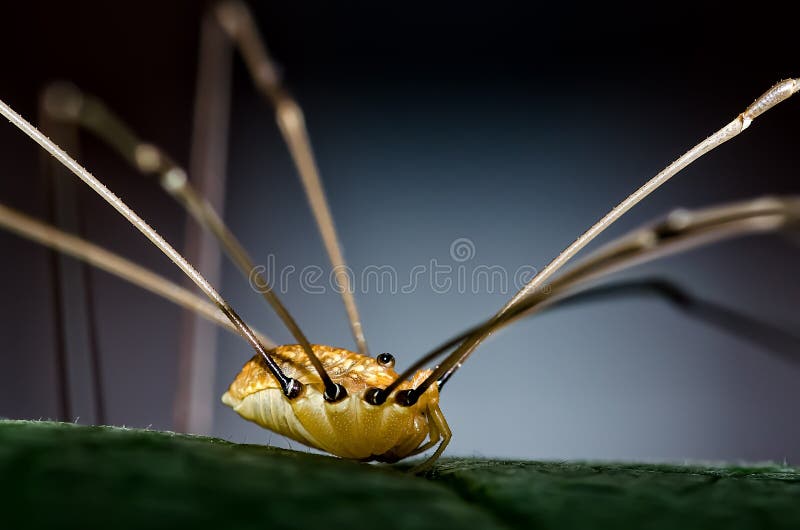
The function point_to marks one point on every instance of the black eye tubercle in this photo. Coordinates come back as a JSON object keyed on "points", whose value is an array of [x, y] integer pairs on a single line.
{"points": [[385, 359]]}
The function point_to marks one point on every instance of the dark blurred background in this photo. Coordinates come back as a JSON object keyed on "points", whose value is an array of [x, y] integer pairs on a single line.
{"points": [[515, 126]]}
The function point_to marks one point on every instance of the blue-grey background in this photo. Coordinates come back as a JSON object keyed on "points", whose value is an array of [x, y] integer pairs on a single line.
{"points": [[515, 127]]}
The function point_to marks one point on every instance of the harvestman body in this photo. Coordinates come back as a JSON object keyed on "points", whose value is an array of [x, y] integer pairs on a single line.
{"points": [[346, 403]]}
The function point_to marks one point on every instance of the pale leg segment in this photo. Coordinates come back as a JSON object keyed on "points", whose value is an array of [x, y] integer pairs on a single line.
{"points": [[67, 103], [779, 92], [682, 230], [237, 21], [96, 256], [290, 386]]}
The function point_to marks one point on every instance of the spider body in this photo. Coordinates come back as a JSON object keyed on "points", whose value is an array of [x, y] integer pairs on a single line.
{"points": [[350, 427]]}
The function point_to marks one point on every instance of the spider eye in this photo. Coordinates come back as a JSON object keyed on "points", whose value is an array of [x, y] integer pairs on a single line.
{"points": [[385, 359]]}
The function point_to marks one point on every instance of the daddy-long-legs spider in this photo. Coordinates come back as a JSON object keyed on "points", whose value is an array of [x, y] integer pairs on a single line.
{"points": [[375, 209]]}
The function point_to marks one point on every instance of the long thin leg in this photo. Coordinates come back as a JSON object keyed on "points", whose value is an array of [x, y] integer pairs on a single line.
{"points": [[72, 283], [778, 93], [778, 340], [783, 342], [766, 101], [680, 231], [194, 392], [96, 256], [236, 19], [290, 386], [69, 104]]}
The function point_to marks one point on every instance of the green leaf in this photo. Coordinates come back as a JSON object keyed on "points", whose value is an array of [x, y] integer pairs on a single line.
{"points": [[56, 475]]}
